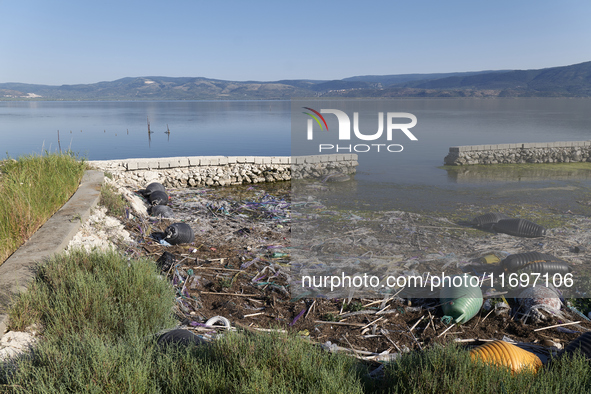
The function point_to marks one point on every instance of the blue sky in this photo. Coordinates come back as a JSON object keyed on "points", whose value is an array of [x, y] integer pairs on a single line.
{"points": [[70, 42]]}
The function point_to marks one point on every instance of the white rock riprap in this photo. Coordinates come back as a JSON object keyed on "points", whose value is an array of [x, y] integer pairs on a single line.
{"points": [[15, 343], [201, 171], [537, 152], [100, 231]]}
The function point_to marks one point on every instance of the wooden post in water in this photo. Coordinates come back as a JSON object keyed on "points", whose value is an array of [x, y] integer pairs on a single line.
{"points": [[58, 141]]}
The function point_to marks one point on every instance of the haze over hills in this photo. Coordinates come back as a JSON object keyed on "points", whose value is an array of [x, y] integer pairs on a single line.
{"points": [[566, 81]]}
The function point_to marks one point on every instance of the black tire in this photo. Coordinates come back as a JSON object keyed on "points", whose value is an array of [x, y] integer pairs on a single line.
{"points": [[152, 187], [166, 261], [161, 211], [582, 344], [179, 233], [180, 337], [158, 198]]}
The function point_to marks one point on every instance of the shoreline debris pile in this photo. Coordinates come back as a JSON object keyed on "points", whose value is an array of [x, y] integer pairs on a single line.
{"points": [[239, 265]]}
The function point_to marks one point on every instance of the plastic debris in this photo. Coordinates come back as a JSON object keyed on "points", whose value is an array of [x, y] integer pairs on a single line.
{"points": [[540, 295], [166, 261], [504, 354], [241, 259], [294, 321], [538, 298], [519, 228], [219, 319], [534, 262], [462, 302], [487, 220], [548, 267], [490, 258], [578, 312]]}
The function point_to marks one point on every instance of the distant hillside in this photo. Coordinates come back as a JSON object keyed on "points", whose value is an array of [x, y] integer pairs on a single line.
{"points": [[162, 88], [389, 80], [567, 81], [572, 80]]}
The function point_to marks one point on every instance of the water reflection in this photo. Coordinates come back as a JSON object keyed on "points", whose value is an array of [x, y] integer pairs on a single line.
{"points": [[201, 128], [518, 173]]}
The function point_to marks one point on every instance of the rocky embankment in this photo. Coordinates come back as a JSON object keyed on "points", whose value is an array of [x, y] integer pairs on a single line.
{"points": [[545, 152], [224, 171]]}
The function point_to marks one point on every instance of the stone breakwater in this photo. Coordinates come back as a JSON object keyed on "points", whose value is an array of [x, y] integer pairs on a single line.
{"points": [[224, 170], [539, 152]]}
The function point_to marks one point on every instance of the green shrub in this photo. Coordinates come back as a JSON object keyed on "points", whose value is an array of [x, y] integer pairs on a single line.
{"points": [[100, 292]]}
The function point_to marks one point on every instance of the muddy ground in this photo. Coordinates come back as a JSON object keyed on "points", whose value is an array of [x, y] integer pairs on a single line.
{"points": [[239, 267]]}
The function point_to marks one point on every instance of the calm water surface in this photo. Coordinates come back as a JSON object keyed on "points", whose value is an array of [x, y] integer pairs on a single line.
{"points": [[411, 179], [119, 130]]}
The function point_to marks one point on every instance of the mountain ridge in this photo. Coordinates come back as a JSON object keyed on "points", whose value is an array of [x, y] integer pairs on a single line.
{"points": [[563, 81]]}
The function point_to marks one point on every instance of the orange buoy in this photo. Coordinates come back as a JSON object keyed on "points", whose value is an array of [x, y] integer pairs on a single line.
{"points": [[501, 353]]}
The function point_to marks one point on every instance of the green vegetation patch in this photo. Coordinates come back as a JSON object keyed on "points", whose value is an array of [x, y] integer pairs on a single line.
{"points": [[33, 188], [237, 363], [114, 202], [101, 293], [450, 369], [100, 313], [241, 363], [83, 363], [520, 169]]}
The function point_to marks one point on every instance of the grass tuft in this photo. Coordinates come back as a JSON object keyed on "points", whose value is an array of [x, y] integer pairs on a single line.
{"points": [[241, 363], [33, 188], [113, 201]]}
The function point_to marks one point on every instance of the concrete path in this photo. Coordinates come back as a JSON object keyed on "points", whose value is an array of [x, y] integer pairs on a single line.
{"points": [[19, 270]]}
